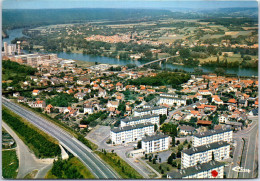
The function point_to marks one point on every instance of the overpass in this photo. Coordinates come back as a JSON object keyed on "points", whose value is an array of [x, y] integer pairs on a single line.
{"points": [[159, 60]]}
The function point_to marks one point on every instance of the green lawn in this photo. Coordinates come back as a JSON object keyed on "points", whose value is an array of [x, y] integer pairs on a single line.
{"points": [[119, 165], [10, 164]]}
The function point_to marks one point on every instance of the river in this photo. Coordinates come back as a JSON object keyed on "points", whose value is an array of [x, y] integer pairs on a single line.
{"points": [[16, 33]]}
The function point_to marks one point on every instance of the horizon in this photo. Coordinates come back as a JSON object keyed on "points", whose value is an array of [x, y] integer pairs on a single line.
{"points": [[132, 4]]}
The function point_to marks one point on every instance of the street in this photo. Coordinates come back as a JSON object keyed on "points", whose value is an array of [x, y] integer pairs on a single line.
{"points": [[93, 162], [246, 147]]}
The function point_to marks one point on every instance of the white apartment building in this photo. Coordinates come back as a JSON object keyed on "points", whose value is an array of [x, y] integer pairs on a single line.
{"points": [[148, 111], [170, 101], [202, 154], [169, 95], [199, 171], [131, 133], [211, 136], [154, 119], [155, 143]]}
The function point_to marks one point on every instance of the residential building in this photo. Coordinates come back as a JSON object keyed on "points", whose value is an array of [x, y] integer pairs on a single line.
{"points": [[200, 171], [155, 143], [205, 153], [170, 101], [154, 119], [131, 133], [211, 136], [148, 111]]}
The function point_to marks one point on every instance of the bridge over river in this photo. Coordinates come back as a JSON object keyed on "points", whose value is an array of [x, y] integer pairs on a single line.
{"points": [[159, 60]]}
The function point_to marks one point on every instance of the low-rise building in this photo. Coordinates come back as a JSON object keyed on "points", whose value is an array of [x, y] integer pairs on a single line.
{"points": [[131, 133], [154, 119], [202, 154], [205, 170], [211, 136], [186, 130], [155, 143]]}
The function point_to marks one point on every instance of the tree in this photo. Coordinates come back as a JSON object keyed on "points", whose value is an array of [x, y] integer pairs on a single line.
{"points": [[170, 159], [173, 141], [139, 144], [155, 127], [162, 118], [178, 154], [150, 158], [154, 161]]}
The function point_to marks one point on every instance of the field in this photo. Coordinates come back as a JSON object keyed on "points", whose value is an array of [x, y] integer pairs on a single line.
{"points": [[235, 57], [10, 164]]}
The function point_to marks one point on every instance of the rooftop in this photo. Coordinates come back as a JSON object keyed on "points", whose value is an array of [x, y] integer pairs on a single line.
{"points": [[129, 119], [204, 148], [154, 137], [211, 132], [195, 169], [127, 128]]}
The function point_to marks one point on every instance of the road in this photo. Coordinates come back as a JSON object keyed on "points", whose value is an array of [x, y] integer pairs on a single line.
{"points": [[27, 160], [249, 155], [92, 161]]}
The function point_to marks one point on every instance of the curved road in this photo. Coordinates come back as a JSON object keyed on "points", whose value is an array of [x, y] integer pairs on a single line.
{"points": [[93, 162]]}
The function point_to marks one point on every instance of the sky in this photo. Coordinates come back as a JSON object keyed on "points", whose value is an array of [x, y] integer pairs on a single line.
{"points": [[151, 4]]}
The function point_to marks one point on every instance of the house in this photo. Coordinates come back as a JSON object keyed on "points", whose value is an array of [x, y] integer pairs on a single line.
{"points": [[80, 96], [119, 86], [48, 108], [37, 104], [204, 122], [88, 109], [16, 94], [186, 129], [232, 101], [102, 93], [113, 104], [253, 112], [223, 118], [216, 99], [35, 92], [242, 103]]}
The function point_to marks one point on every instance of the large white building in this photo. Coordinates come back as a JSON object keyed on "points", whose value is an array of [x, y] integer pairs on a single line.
{"points": [[170, 101], [211, 136], [131, 133], [202, 154], [155, 143], [200, 171], [148, 111], [154, 119]]}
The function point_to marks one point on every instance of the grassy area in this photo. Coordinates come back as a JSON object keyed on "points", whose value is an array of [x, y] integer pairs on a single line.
{"points": [[235, 57], [72, 163], [43, 145], [119, 165], [31, 175], [10, 164]]}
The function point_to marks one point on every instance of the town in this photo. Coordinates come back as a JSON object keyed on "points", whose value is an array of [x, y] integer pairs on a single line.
{"points": [[196, 126]]}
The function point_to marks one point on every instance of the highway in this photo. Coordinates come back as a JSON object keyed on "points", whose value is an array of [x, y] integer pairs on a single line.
{"points": [[93, 162]]}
